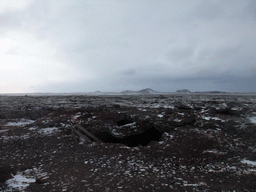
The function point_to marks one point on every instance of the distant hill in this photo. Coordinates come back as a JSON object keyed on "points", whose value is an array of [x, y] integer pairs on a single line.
{"points": [[128, 92], [147, 91], [212, 92], [183, 91]]}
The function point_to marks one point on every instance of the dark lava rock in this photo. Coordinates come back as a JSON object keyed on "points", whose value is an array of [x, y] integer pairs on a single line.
{"points": [[6, 173], [183, 91]]}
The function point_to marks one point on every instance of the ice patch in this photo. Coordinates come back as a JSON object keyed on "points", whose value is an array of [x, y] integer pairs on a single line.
{"points": [[20, 123], [19, 183]]}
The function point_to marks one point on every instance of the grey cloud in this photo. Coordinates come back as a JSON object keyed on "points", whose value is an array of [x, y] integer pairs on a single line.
{"points": [[164, 45], [209, 10], [222, 10], [180, 54], [216, 82], [129, 72], [252, 8]]}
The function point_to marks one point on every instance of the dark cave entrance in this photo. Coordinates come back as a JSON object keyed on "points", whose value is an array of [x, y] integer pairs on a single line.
{"points": [[143, 139]]}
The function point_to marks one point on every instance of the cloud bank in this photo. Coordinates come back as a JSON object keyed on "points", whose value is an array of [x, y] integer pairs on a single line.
{"points": [[77, 46]]}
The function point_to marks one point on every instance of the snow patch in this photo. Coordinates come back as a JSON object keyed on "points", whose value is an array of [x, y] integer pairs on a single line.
{"points": [[213, 118], [216, 152], [252, 163], [26, 136], [130, 124], [177, 120], [206, 118], [19, 182], [194, 185], [168, 106], [253, 119], [48, 131], [21, 123]]}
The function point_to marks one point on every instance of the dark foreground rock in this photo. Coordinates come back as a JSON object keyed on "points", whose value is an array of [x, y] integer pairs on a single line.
{"points": [[197, 143]]}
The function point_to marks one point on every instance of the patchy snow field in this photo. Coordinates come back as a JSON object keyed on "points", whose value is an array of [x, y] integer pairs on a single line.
{"points": [[208, 143], [253, 119], [22, 123], [19, 182]]}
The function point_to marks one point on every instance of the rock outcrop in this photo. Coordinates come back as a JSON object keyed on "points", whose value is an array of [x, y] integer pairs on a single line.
{"points": [[183, 91], [147, 91]]}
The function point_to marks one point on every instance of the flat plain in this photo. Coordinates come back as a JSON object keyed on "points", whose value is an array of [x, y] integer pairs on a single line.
{"points": [[208, 143]]}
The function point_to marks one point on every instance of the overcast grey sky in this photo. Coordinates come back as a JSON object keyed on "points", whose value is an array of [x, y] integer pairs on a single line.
{"points": [[115, 45]]}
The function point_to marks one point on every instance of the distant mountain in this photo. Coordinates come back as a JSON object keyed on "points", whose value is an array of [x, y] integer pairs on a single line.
{"points": [[128, 92], [212, 92], [147, 91], [183, 91]]}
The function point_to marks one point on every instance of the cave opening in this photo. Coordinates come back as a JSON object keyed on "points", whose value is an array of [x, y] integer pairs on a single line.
{"points": [[143, 139]]}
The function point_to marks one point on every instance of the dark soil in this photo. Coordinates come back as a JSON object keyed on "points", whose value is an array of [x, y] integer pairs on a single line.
{"points": [[153, 143]]}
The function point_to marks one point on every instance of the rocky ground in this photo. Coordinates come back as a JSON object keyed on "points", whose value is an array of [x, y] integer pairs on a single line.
{"points": [[208, 143]]}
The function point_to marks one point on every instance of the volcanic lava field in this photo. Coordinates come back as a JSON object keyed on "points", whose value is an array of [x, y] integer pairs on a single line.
{"points": [[202, 142]]}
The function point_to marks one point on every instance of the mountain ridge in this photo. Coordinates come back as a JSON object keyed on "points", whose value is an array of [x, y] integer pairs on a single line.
{"points": [[146, 91]]}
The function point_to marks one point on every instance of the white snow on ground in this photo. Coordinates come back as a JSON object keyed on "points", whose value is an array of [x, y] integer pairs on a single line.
{"points": [[4, 130], [214, 151], [48, 131], [160, 115], [252, 163], [213, 118], [177, 120], [203, 110], [20, 123], [76, 116], [168, 107], [206, 118], [22, 180], [14, 137], [253, 119], [194, 185], [130, 124], [19, 182]]}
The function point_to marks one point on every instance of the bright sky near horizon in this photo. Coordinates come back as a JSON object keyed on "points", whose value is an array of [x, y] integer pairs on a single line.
{"points": [[97, 45]]}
